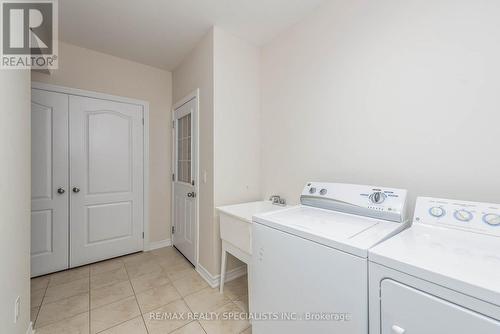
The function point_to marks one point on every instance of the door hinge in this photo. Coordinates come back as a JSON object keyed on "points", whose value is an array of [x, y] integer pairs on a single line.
{"points": [[173, 229], [173, 177], [173, 124], [143, 235], [143, 121], [192, 182]]}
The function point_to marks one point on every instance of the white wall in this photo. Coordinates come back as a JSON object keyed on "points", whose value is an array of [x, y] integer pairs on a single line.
{"points": [[95, 71], [395, 93], [226, 71], [196, 72], [236, 125], [15, 193], [236, 119]]}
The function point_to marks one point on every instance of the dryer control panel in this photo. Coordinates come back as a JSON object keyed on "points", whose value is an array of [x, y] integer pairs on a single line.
{"points": [[369, 201], [472, 216]]}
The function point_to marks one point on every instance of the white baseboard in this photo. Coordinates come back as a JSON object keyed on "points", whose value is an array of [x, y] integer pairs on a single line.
{"points": [[30, 329], [214, 281], [158, 244]]}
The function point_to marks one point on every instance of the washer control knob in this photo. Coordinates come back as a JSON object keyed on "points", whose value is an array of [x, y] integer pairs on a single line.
{"points": [[312, 190], [463, 215], [437, 211], [378, 197], [323, 191], [492, 219]]}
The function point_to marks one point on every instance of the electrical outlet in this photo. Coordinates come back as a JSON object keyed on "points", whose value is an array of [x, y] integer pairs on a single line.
{"points": [[17, 309]]}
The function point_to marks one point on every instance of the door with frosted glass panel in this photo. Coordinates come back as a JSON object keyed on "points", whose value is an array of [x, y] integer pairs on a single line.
{"points": [[184, 217]]}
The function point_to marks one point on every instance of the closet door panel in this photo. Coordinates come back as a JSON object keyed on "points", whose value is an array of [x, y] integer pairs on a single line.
{"points": [[106, 145], [49, 182]]}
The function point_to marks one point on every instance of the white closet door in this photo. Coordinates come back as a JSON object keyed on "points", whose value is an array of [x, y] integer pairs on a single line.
{"points": [[106, 145], [49, 182]]}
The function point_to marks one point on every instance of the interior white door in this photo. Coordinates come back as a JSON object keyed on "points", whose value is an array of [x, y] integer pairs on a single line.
{"points": [[49, 182], [184, 184], [106, 163]]}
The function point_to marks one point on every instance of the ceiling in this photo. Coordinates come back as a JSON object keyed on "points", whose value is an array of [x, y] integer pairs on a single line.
{"points": [[161, 32]]}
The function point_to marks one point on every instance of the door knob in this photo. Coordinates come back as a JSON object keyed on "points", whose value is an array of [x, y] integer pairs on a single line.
{"points": [[191, 194], [398, 330], [76, 190], [61, 191]]}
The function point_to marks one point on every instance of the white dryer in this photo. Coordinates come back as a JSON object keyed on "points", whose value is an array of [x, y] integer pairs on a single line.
{"points": [[309, 262], [442, 275]]}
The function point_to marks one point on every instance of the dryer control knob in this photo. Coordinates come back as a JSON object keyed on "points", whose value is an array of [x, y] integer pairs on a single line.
{"points": [[492, 219], [463, 215], [437, 211]]}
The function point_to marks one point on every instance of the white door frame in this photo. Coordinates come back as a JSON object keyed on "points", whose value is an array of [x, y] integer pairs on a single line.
{"points": [[193, 95], [145, 110]]}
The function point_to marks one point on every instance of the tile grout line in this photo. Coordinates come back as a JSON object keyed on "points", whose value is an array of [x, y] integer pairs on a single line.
{"points": [[156, 258], [231, 301], [120, 323], [55, 301], [89, 293], [187, 305], [61, 299], [65, 318], [118, 282], [135, 298], [171, 282], [41, 302], [191, 293], [189, 323]]}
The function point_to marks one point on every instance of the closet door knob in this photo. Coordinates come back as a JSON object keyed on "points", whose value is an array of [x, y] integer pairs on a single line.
{"points": [[398, 330], [61, 191], [76, 190]]}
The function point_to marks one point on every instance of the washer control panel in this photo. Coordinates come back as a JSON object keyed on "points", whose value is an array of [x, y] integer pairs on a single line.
{"points": [[370, 201], [472, 216]]}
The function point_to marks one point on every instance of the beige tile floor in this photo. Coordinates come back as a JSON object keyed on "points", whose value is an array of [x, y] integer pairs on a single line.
{"points": [[117, 297]]}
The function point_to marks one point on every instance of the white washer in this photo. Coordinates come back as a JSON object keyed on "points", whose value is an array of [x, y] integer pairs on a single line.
{"points": [[309, 262], [442, 275]]}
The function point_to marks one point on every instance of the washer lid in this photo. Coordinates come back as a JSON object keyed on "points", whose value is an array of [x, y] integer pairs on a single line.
{"points": [[466, 262], [346, 232]]}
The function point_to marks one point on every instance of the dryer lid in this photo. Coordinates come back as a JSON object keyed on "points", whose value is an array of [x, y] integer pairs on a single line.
{"points": [[462, 261]]}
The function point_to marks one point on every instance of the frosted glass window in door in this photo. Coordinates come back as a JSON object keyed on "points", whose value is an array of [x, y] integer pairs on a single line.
{"points": [[184, 149]]}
